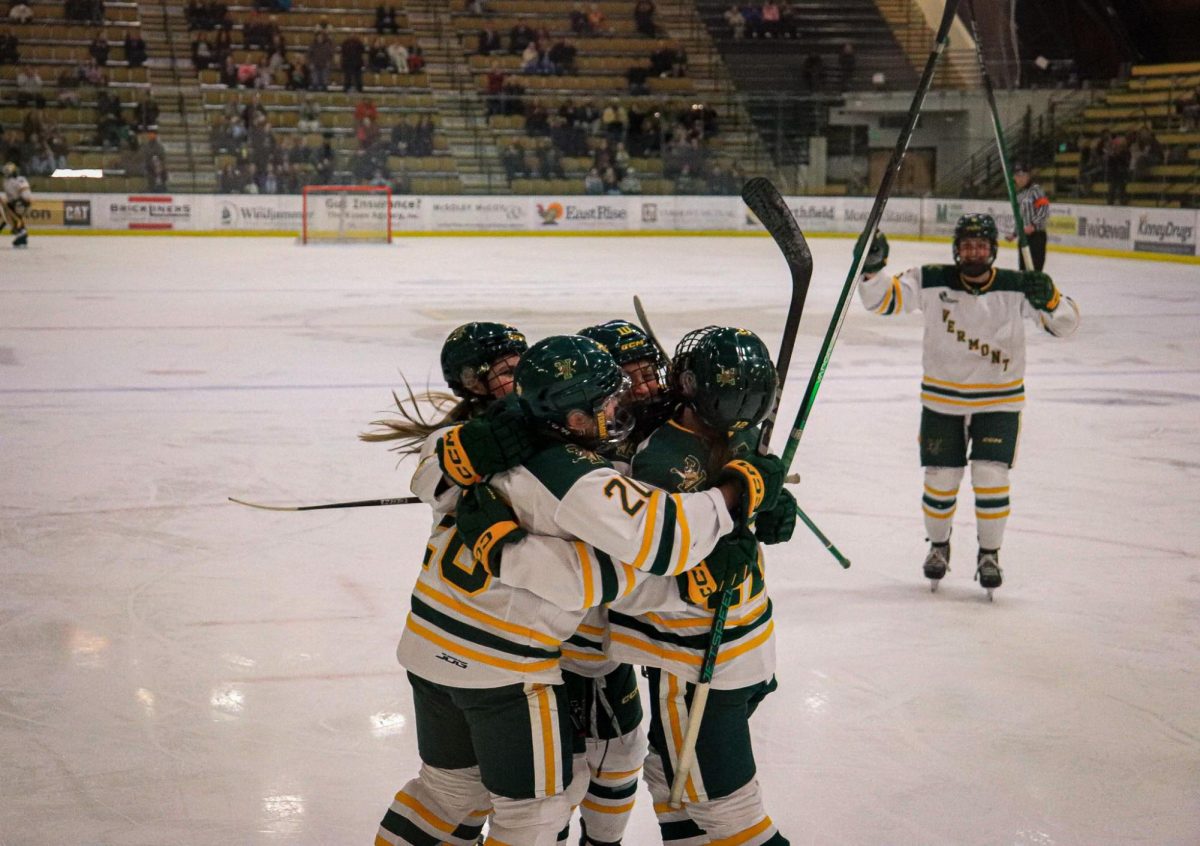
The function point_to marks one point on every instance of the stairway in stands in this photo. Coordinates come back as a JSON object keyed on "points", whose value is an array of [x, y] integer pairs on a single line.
{"points": [[177, 92]]}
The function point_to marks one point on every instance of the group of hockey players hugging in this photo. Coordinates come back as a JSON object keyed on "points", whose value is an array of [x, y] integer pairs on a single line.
{"points": [[591, 498], [15, 200]]}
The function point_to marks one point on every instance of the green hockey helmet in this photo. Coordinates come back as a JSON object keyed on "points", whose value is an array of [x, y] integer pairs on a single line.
{"points": [[564, 374], [472, 350], [637, 354], [726, 376], [975, 226]]}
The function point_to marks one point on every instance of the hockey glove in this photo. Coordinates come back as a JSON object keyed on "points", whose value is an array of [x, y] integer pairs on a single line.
{"points": [[485, 525], [1039, 289], [778, 524], [877, 255], [761, 479], [728, 565], [497, 441]]}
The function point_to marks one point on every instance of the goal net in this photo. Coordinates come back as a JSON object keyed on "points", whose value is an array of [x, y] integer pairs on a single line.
{"points": [[344, 213]]}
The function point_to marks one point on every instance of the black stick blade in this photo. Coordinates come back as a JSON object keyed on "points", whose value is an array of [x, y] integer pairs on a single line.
{"points": [[764, 200]]}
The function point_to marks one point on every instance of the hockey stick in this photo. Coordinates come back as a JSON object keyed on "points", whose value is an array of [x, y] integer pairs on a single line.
{"points": [[1002, 148], [861, 248], [793, 479], [362, 503], [764, 200]]}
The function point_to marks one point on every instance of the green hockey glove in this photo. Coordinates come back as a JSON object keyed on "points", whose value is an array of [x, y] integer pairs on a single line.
{"points": [[499, 440], [731, 561], [761, 479], [877, 255], [486, 524], [778, 524], [1039, 289]]}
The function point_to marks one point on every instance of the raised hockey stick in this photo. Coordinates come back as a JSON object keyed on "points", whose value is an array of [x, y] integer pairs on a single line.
{"points": [[1001, 147], [362, 503], [861, 248], [793, 479], [764, 200]]}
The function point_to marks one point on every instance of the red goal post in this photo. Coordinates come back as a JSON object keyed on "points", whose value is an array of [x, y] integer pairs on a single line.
{"points": [[346, 214]]}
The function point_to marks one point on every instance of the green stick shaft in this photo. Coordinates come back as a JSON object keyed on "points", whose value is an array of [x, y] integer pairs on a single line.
{"points": [[833, 550], [860, 250]]}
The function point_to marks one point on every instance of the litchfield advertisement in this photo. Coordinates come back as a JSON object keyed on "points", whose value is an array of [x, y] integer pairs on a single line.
{"points": [[584, 213], [813, 214], [467, 213], [1170, 231], [689, 213]]}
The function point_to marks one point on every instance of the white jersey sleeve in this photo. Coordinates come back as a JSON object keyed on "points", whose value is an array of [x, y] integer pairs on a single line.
{"points": [[428, 481], [886, 294], [1061, 323]]}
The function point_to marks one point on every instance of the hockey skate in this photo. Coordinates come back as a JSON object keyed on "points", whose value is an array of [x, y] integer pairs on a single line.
{"points": [[937, 563], [21, 239], [988, 572]]}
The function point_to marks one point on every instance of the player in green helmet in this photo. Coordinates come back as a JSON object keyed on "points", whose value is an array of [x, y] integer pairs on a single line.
{"points": [[973, 388], [725, 383]]}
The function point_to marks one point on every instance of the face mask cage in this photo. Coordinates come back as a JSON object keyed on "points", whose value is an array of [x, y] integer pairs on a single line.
{"points": [[613, 428]]}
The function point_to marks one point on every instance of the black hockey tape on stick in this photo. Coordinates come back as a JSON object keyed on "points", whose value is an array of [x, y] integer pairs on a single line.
{"points": [[362, 503]]}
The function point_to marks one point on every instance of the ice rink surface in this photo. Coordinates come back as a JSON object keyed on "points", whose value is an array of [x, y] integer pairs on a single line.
{"points": [[176, 669]]}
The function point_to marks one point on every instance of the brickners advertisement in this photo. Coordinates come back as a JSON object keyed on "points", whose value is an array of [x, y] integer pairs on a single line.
{"points": [[147, 212]]}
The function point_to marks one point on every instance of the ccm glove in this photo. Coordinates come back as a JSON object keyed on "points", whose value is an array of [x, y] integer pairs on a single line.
{"points": [[761, 480], [497, 441], [877, 255], [728, 565], [778, 524], [1039, 289], [486, 525]]}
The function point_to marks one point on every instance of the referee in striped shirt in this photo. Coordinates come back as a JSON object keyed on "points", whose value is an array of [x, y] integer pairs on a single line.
{"points": [[1035, 211]]}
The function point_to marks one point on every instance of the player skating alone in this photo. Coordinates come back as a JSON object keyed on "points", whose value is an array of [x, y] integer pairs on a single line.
{"points": [[14, 203], [973, 388]]}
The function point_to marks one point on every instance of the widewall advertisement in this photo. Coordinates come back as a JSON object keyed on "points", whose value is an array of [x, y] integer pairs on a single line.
{"points": [[1152, 232]]}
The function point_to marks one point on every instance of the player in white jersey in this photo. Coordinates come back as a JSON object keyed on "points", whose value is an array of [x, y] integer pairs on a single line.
{"points": [[725, 383], [483, 656], [14, 203], [973, 386]]}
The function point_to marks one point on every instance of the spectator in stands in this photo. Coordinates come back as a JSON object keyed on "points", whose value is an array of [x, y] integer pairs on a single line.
{"points": [[222, 46], [488, 41], [476, 7], [229, 73], [597, 23], [519, 37], [578, 21], [58, 146], [20, 13], [1091, 161], [643, 18], [422, 143], [68, 87], [513, 161], [1188, 108], [752, 14], [416, 59], [90, 73], [310, 115], [719, 181], [398, 56], [298, 76], [847, 60], [10, 53], [364, 109], [1116, 169], [593, 183], [156, 174], [353, 52], [616, 120], [789, 21], [736, 21], [153, 147], [320, 58], [98, 49], [550, 164], [630, 183], [40, 159], [493, 87], [562, 56], [611, 182], [770, 19], [378, 60], [1144, 153], [135, 48], [145, 113], [270, 180], [29, 88], [385, 20], [202, 52]]}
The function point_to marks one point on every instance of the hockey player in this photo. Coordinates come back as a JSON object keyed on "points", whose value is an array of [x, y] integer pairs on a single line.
{"points": [[974, 383], [483, 656], [14, 203], [726, 383]]}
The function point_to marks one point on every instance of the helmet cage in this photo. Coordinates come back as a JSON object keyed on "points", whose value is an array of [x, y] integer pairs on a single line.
{"points": [[473, 350], [726, 376]]}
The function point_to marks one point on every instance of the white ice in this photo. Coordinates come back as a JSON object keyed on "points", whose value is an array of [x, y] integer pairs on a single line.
{"points": [[176, 669]]}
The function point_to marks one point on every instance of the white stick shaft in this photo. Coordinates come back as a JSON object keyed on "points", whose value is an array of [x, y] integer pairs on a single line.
{"points": [[687, 755]]}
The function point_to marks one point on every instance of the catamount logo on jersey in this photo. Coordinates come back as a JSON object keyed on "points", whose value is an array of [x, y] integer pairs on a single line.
{"points": [[692, 476], [565, 368], [581, 454]]}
